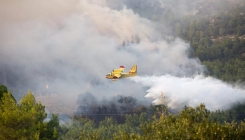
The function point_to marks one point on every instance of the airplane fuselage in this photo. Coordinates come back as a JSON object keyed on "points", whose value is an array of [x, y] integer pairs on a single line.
{"points": [[123, 75]]}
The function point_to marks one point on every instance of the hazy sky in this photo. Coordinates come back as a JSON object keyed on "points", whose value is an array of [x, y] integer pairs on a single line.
{"points": [[68, 44]]}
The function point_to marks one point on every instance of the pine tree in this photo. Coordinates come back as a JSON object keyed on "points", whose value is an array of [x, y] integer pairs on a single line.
{"points": [[20, 121]]}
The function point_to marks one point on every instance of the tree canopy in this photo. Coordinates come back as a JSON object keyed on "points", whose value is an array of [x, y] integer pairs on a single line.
{"points": [[26, 119]]}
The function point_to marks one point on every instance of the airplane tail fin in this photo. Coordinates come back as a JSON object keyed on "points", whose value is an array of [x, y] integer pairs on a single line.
{"points": [[133, 69]]}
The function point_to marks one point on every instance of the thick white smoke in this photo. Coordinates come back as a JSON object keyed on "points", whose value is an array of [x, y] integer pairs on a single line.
{"points": [[71, 45], [191, 91]]}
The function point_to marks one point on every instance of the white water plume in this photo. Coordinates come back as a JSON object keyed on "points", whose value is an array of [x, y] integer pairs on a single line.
{"points": [[191, 91]]}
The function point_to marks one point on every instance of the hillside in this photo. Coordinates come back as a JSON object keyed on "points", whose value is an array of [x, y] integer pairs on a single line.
{"points": [[218, 41]]}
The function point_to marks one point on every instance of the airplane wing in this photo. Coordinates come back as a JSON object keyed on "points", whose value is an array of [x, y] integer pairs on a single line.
{"points": [[117, 75]]}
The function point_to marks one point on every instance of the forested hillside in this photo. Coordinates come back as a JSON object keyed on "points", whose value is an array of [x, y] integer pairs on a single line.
{"points": [[218, 40]]}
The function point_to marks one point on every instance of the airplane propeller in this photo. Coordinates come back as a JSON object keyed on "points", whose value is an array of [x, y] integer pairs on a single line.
{"points": [[112, 71]]}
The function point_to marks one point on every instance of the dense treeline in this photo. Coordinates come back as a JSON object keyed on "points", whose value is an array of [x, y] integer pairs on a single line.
{"points": [[25, 120], [190, 123], [152, 122]]}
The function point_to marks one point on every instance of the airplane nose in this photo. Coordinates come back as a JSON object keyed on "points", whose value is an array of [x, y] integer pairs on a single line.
{"points": [[107, 76]]}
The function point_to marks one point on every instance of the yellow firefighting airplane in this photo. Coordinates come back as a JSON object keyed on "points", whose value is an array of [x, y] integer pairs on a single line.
{"points": [[118, 73]]}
